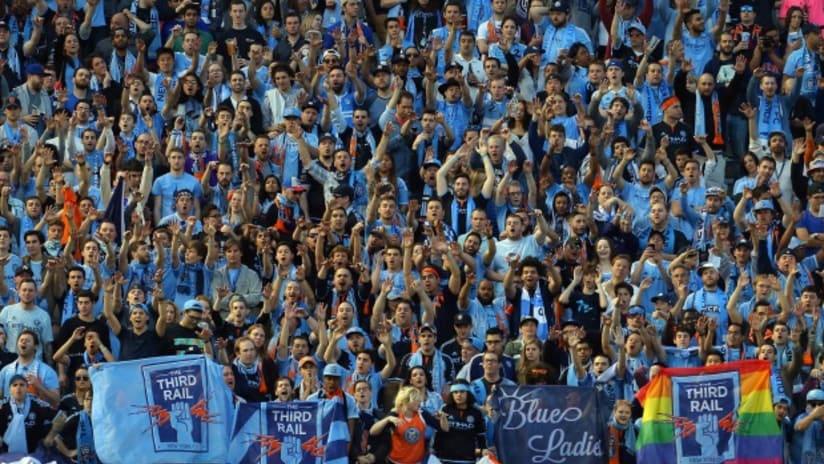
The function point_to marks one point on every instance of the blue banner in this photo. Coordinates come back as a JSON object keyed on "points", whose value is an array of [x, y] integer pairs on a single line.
{"points": [[297, 432], [160, 410], [552, 424], [705, 402]]}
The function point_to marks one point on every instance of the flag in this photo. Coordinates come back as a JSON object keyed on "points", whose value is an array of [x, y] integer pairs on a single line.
{"points": [[161, 410], [115, 210], [718, 414], [550, 424], [305, 432]]}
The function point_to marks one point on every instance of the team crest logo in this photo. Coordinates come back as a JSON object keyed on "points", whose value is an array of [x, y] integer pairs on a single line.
{"points": [[412, 435]]}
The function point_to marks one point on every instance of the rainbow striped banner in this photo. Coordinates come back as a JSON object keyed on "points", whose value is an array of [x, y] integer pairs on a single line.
{"points": [[710, 415]]}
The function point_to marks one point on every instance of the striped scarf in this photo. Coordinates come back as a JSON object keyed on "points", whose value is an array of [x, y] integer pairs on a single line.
{"points": [[114, 66], [438, 367], [700, 118]]}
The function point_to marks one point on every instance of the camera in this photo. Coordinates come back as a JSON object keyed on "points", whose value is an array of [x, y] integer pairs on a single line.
{"points": [[767, 42]]}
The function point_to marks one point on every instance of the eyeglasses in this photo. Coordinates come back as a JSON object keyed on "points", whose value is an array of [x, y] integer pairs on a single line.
{"points": [[81, 377], [493, 342]]}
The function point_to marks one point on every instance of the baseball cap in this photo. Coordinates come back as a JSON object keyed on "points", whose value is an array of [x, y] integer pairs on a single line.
{"points": [[455, 66], [743, 243], [314, 104], [355, 331], [462, 320], [183, 193], [526, 319], [786, 251], [431, 328], [331, 52], [638, 27], [432, 162], [193, 305], [637, 311], [4, 25], [23, 270], [715, 192], [12, 102], [763, 205], [399, 57], [333, 370], [139, 306], [327, 136], [446, 85], [615, 63], [707, 265], [307, 360], [382, 68], [560, 6], [17, 377], [815, 164], [816, 394], [291, 113], [815, 188], [35, 69], [666, 297]]}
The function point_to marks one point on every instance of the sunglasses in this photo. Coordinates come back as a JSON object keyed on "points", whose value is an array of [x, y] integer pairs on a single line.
{"points": [[81, 377]]}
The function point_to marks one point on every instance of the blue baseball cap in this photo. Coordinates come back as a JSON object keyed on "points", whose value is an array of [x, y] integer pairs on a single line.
{"points": [[291, 112], [333, 370], [637, 310], [141, 307], [193, 305], [764, 205]]}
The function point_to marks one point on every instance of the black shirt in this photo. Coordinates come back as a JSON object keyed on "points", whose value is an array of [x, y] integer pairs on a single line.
{"points": [[146, 345]]}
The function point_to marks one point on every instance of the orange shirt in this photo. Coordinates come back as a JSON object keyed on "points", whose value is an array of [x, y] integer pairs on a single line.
{"points": [[409, 441]]}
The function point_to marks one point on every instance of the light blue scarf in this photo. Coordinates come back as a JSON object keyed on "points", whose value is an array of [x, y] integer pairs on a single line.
{"points": [[85, 440], [114, 66], [438, 380]]}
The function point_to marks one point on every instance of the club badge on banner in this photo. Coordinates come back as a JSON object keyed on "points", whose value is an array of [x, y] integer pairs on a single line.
{"points": [[288, 433], [553, 424], [719, 414], [168, 409]]}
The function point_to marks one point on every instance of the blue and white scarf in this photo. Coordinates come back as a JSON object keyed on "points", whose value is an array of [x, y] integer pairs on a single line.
{"points": [[700, 113], [15, 436], [438, 367], [13, 61], [536, 302], [114, 66], [85, 440]]}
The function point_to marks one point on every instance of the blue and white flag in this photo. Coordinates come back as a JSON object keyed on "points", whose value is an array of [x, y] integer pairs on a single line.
{"points": [[550, 424], [161, 410], [296, 432]]}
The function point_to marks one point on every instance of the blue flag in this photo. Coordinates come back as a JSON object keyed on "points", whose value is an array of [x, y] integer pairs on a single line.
{"points": [[550, 424], [297, 432], [161, 410], [116, 210]]}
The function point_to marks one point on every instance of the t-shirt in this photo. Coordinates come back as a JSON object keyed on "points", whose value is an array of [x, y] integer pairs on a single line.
{"points": [[166, 185], [15, 319], [146, 345], [182, 338]]}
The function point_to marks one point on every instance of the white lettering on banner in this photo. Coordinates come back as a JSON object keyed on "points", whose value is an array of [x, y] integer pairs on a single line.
{"points": [[705, 397], [177, 387], [558, 449], [559, 446], [523, 411]]}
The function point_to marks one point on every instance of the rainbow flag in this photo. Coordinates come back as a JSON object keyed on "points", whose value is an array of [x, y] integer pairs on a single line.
{"points": [[710, 415]]}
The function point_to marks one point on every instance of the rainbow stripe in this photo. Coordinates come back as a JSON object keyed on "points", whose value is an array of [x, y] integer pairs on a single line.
{"points": [[756, 436]]}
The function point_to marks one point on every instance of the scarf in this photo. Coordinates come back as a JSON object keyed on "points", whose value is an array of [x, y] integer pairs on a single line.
{"points": [[492, 30], [85, 440], [13, 61], [15, 436], [193, 275], [629, 435], [154, 22], [69, 306], [770, 121], [437, 372], [700, 118], [653, 96], [114, 66], [468, 206], [251, 375], [534, 306]]}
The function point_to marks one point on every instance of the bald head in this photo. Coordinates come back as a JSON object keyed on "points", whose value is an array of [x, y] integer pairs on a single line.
{"points": [[706, 84]]}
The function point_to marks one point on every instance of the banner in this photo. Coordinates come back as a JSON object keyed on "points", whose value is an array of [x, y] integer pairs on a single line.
{"points": [[710, 415], [552, 424], [289, 433], [166, 409]]}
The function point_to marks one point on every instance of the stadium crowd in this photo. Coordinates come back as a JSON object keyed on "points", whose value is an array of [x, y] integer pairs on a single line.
{"points": [[402, 204]]}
